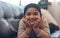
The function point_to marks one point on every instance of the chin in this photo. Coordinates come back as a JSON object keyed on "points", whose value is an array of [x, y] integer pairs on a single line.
{"points": [[32, 23]]}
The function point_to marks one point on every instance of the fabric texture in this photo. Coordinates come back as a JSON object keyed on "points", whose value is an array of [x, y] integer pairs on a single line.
{"points": [[22, 27]]}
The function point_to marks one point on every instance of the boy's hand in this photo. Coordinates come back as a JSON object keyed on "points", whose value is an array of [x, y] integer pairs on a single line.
{"points": [[27, 23]]}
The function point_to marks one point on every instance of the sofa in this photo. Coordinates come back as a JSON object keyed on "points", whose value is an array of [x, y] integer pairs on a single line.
{"points": [[10, 16]]}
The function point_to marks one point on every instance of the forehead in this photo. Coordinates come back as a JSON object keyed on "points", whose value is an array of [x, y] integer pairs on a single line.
{"points": [[32, 9]]}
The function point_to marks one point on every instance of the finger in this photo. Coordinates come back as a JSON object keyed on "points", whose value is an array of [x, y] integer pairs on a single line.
{"points": [[26, 22], [36, 24]]}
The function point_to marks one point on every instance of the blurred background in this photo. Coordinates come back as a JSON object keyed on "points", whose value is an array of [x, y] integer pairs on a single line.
{"points": [[53, 6]]}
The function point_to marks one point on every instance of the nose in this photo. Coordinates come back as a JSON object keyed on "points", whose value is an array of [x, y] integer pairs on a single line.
{"points": [[31, 16]]}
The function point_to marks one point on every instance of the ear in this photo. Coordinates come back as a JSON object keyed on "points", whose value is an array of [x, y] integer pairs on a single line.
{"points": [[40, 15]]}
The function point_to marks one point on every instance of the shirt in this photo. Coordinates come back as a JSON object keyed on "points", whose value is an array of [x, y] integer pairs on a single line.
{"points": [[44, 26]]}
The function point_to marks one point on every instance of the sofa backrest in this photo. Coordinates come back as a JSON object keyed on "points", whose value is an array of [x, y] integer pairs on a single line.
{"points": [[9, 19]]}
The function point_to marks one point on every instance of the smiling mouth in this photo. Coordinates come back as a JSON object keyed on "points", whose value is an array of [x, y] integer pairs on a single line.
{"points": [[32, 20]]}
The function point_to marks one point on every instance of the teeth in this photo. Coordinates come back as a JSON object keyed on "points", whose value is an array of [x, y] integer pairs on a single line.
{"points": [[31, 20]]}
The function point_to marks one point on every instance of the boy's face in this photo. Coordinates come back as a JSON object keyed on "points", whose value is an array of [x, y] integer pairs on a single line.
{"points": [[32, 15]]}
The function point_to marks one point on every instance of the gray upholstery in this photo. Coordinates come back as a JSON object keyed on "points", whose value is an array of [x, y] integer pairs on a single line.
{"points": [[9, 19]]}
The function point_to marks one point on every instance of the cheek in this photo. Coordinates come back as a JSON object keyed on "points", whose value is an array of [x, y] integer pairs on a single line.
{"points": [[38, 16], [26, 17], [38, 19]]}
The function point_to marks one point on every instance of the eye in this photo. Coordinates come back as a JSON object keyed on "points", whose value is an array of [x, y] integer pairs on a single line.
{"points": [[35, 13], [28, 14]]}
